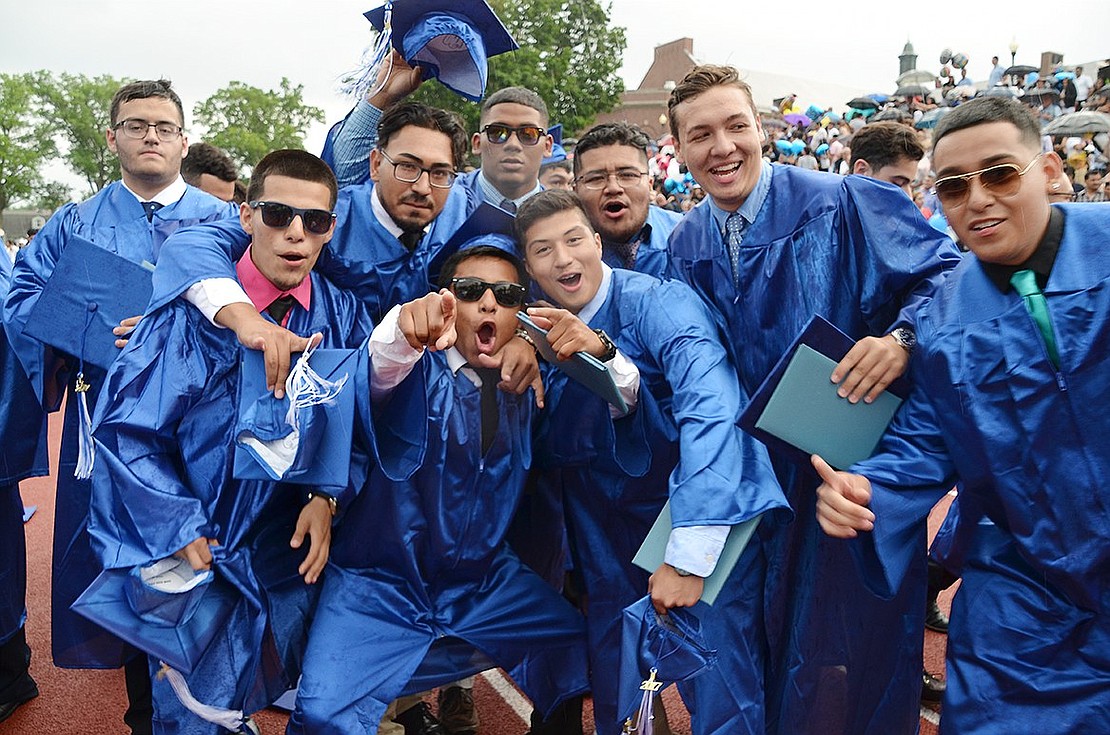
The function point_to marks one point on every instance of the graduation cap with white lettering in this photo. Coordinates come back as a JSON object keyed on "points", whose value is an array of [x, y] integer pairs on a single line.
{"points": [[450, 39]]}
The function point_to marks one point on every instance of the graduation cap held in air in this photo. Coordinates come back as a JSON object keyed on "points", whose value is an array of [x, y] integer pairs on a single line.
{"points": [[450, 39]]}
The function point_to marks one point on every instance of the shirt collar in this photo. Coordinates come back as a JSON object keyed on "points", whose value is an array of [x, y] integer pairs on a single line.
{"points": [[170, 195], [494, 197], [261, 292], [383, 217], [1040, 262], [749, 210], [589, 311]]}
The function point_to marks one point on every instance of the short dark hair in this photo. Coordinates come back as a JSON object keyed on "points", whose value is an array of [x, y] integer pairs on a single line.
{"points": [[543, 205], [404, 114], [205, 158], [145, 90], [615, 133], [982, 110], [884, 143], [295, 164], [451, 266], [1096, 172], [700, 79], [563, 163], [518, 96]]}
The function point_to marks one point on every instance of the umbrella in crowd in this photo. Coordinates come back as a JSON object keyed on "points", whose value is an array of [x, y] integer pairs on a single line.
{"points": [[774, 122], [1019, 70], [797, 118], [1003, 92], [1077, 123], [863, 103], [1034, 96], [892, 114], [911, 90], [930, 119], [1065, 75], [965, 92], [916, 76]]}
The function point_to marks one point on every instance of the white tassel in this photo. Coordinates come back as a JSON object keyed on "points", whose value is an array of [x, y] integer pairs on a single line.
{"points": [[305, 388], [86, 451], [229, 719], [358, 82], [644, 723]]}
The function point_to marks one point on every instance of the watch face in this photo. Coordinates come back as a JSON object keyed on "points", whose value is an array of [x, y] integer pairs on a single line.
{"points": [[905, 337]]}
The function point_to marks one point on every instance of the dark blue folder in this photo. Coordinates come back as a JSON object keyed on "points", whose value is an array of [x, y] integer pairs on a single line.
{"points": [[797, 411]]}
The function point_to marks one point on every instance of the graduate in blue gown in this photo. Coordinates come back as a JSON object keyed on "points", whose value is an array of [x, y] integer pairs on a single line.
{"points": [[166, 438], [114, 219], [613, 183], [1015, 409], [439, 565], [839, 659], [22, 455], [681, 444]]}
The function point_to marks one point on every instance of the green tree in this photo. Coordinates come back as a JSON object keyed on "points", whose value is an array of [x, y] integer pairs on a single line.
{"points": [[51, 195], [248, 122], [26, 144], [569, 54], [79, 109]]}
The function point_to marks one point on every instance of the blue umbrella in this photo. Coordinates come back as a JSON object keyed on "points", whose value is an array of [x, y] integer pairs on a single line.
{"points": [[931, 118]]}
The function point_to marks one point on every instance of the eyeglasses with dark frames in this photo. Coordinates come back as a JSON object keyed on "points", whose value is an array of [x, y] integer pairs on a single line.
{"points": [[1003, 180], [409, 173], [472, 289], [279, 216], [499, 134], [626, 177], [137, 129]]}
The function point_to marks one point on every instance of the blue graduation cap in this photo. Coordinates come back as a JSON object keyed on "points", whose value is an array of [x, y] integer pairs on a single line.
{"points": [[305, 437], [657, 651], [486, 225], [451, 39], [165, 609], [90, 291], [558, 153]]}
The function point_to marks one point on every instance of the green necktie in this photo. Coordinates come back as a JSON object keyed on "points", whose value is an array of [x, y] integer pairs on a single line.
{"points": [[1025, 283]]}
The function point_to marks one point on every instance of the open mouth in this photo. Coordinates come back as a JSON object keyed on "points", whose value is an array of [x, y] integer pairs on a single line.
{"points": [[293, 258], [614, 209], [988, 226], [726, 170], [570, 281], [486, 337]]}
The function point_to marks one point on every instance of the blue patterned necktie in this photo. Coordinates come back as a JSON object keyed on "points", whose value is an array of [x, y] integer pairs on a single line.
{"points": [[734, 235], [1025, 283]]}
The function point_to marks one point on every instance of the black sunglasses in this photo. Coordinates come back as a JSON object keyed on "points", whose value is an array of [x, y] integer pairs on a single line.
{"points": [[526, 134], [472, 289], [278, 215]]}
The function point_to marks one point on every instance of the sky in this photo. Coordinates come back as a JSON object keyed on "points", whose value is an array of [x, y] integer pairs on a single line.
{"points": [[203, 44]]}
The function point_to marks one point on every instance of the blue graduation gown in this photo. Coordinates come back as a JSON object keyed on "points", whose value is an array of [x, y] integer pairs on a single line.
{"points": [[651, 256], [438, 566], [1029, 445], [113, 219], [681, 443], [362, 257], [165, 447], [856, 252]]}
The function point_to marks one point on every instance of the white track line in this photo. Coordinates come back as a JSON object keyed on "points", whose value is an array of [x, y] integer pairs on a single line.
{"points": [[516, 701], [933, 718]]}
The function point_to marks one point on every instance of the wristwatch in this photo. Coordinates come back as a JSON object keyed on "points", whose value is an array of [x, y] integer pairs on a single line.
{"points": [[333, 504], [610, 348], [681, 572], [905, 338]]}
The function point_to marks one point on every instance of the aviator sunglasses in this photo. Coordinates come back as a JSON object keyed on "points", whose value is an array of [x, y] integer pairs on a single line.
{"points": [[1002, 180], [278, 215], [472, 289], [527, 134]]}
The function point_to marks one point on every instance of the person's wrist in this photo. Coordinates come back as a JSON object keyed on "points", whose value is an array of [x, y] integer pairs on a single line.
{"points": [[332, 503]]}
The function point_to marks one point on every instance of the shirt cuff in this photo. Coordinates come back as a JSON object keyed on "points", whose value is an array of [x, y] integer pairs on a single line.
{"points": [[627, 377], [392, 358], [212, 294], [696, 549]]}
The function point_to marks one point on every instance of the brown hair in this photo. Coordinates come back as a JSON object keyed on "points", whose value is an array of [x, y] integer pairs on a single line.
{"points": [[701, 79]]}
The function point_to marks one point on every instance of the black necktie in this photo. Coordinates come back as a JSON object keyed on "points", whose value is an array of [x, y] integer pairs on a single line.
{"points": [[410, 239], [279, 307], [508, 205], [150, 208], [491, 415]]}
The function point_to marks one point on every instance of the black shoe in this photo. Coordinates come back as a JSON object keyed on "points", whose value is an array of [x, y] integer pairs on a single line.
{"points": [[935, 619], [456, 711], [932, 688], [419, 720], [565, 720], [7, 709]]}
